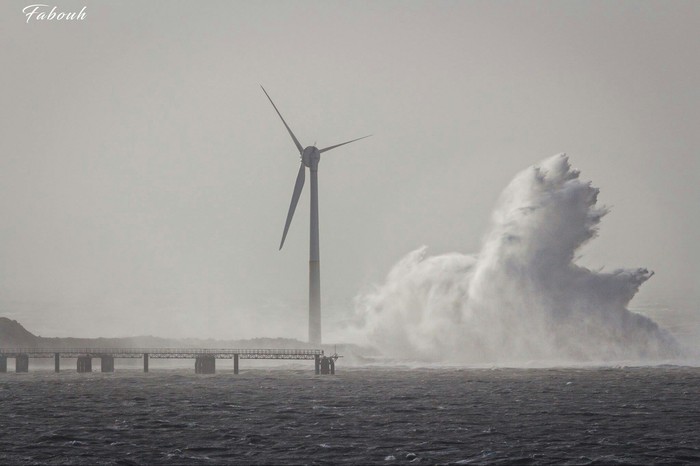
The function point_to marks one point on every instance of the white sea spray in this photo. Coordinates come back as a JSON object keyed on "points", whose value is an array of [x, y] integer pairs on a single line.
{"points": [[522, 298]]}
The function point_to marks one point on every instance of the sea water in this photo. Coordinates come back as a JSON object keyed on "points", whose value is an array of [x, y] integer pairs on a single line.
{"points": [[374, 415]]}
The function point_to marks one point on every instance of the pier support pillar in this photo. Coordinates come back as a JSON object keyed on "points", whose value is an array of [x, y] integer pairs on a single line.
{"points": [[107, 363], [317, 364], [84, 364], [205, 364], [235, 364], [325, 366], [3, 364], [22, 363], [332, 361], [145, 362], [57, 362]]}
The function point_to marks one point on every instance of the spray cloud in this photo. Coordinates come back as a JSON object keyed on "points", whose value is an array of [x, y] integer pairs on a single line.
{"points": [[522, 298]]}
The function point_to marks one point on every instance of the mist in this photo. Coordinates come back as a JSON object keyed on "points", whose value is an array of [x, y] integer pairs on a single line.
{"points": [[523, 297], [145, 178]]}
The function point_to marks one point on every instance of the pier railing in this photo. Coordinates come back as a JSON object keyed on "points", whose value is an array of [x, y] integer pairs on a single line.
{"points": [[164, 353]]}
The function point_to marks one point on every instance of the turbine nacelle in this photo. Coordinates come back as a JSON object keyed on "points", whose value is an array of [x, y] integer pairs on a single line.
{"points": [[311, 156]]}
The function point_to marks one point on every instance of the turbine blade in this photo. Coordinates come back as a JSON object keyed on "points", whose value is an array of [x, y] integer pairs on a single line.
{"points": [[342, 144], [296, 142], [295, 199]]}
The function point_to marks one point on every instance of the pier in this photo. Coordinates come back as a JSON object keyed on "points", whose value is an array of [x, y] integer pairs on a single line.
{"points": [[205, 359]]}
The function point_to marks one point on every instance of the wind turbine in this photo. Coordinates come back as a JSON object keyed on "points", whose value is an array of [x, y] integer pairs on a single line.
{"points": [[310, 157]]}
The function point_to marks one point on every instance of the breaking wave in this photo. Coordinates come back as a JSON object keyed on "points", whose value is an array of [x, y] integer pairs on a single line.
{"points": [[522, 298]]}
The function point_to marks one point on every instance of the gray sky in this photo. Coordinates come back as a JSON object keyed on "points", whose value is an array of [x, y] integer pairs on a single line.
{"points": [[145, 178]]}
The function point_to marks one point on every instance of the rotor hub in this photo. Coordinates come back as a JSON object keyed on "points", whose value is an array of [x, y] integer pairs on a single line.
{"points": [[311, 156]]}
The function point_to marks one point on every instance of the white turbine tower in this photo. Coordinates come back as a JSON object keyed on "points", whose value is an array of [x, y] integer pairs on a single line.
{"points": [[310, 157]]}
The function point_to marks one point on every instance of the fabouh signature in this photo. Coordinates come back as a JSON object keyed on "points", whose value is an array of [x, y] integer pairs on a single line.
{"points": [[42, 12]]}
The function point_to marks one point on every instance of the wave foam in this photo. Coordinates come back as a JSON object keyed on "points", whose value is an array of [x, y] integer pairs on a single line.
{"points": [[522, 298]]}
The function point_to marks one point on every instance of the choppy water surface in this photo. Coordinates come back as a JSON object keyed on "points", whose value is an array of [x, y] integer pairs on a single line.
{"points": [[381, 416]]}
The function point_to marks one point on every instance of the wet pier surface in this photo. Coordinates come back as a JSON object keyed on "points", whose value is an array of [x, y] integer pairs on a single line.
{"points": [[360, 416]]}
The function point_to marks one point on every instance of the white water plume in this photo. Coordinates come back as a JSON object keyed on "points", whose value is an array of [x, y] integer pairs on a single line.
{"points": [[522, 298]]}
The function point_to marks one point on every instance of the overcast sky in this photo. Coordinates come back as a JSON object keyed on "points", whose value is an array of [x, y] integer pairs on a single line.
{"points": [[145, 178]]}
